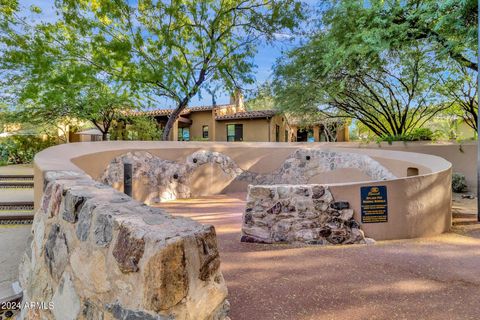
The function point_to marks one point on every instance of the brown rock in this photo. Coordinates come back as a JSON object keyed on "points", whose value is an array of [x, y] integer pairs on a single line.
{"points": [[317, 192], [276, 209], [165, 278], [128, 250], [208, 252], [259, 192]]}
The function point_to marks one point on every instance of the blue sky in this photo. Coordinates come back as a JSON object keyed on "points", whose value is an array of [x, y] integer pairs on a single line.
{"points": [[264, 59]]}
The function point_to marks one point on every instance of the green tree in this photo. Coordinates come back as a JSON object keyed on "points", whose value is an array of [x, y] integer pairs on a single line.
{"points": [[461, 87], [46, 86], [353, 67], [262, 98], [171, 49], [449, 27], [391, 97]]}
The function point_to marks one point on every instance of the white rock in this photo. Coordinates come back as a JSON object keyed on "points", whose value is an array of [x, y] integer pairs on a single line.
{"points": [[65, 300]]}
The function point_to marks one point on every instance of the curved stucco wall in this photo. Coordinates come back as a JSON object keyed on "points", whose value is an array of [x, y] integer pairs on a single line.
{"points": [[417, 205]]}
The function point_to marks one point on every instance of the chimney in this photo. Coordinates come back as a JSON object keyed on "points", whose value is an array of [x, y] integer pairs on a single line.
{"points": [[237, 99]]}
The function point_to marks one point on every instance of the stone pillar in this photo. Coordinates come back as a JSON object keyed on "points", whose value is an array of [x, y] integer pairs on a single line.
{"points": [[316, 133]]}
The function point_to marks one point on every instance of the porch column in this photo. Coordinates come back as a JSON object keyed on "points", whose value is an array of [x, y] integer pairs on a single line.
{"points": [[174, 133], [213, 128], [316, 133]]}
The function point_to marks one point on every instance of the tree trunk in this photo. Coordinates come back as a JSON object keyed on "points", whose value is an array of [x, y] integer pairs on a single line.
{"points": [[104, 136], [173, 117]]}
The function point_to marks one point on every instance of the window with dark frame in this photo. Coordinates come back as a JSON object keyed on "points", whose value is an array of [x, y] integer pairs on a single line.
{"points": [[277, 133], [205, 132], [234, 132], [286, 136]]}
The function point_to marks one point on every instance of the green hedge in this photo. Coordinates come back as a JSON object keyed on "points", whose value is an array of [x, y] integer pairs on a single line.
{"points": [[22, 149]]}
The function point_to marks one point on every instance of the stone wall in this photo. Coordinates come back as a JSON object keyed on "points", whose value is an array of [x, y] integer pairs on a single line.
{"points": [[169, 180], [298, 214], [98, 254]]}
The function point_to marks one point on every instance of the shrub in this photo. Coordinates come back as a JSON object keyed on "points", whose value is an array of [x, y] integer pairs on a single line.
{"points": [[142, 128], [459, 183], [419, 134], [22, 149], [198, 139]]}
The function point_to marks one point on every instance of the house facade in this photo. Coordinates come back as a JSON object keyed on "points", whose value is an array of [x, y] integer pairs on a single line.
{"points": [[232, 122]]}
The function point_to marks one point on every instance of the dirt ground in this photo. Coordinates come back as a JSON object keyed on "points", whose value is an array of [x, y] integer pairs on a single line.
{"points": [[429, 278]]}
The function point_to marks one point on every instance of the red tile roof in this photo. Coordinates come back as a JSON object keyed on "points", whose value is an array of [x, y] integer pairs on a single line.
{"points": [[166, 112], [248, 115]]}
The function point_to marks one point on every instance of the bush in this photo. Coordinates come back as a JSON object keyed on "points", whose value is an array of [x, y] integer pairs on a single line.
{"points": [[419, 134], [142, 128], [22, 149], [459, 183], [198, 139]]}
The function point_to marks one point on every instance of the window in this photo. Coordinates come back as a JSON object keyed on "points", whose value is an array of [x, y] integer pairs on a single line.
{"points": [[234, 132], [183, 134], [286, 136], [277, 133], [205, 132]]}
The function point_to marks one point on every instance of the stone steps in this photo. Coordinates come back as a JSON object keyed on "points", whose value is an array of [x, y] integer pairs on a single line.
{"points": [[464, 218], [16, 184], [16, 181], [17, 212], [16, 177]]}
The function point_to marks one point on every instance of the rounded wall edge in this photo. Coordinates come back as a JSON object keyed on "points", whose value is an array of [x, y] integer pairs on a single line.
{"points": [[69, 156], [417, 206]]}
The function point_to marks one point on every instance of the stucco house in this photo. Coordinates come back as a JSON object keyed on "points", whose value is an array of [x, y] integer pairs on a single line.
{"points": [[233, 122]]}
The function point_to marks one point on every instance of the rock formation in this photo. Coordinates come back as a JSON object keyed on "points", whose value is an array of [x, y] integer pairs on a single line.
{"points": [[298, 214]]}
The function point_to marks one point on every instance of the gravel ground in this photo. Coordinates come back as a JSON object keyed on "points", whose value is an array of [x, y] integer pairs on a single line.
{"points": [[429, 278]]}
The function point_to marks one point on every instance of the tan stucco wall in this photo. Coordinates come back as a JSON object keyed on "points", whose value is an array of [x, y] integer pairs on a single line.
{"points": [[281, 121], [400, 167], [200, 119], [254, 130], [343, 134], [418, 206], [462, 156]]}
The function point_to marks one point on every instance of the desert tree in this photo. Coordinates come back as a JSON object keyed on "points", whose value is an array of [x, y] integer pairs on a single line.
{"points": [[171, 49]]}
